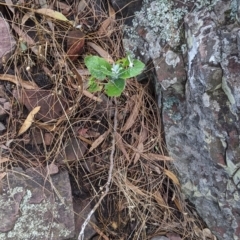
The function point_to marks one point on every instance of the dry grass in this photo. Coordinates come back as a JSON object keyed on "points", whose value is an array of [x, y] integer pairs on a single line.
{"points": [[144, 199]]}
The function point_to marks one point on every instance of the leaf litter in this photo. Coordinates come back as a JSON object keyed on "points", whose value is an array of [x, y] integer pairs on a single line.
{"points": [[77, 127]]}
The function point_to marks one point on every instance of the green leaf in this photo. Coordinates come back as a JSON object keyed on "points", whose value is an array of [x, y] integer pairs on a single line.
{"points": [[115, 88], [124, 62], [133, 71], [93, 85], [98, 67]]}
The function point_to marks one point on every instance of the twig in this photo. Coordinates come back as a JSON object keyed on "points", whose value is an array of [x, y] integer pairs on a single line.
{"points": [[90, 95], [100, 233], [81, 234], [18, 81]]}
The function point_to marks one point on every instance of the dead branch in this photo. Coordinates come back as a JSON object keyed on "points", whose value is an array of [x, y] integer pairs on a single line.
{"points": [[81, 234]]}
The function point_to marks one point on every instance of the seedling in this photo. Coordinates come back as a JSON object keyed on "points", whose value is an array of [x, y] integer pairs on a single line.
{"points": [[111, 77]]}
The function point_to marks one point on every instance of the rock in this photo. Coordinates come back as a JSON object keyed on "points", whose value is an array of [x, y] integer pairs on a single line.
{"points": [[153, 27], [198, 93], [7, 42], [2, 128], [73, 151], [4, 108], [201, 122], [159, 238], [34, 206]]}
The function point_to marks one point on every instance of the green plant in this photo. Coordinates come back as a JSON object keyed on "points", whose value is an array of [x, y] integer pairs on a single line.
{"points": [[111, 77]]}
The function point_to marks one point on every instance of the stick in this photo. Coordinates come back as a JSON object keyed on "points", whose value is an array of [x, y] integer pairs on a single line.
{"points": [[81, 234]]}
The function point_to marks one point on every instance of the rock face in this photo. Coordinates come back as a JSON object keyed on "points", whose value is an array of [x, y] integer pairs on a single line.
{"points": [[198, 92], [33, 206], [7, 41], [201, 120]]}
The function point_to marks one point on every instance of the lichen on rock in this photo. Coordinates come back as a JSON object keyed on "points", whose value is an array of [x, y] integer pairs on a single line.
{"points": [[33, 208], [198, 94], [159, 23]]}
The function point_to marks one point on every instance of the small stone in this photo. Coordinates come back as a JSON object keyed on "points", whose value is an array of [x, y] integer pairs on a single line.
{"points": [[31, 207], [7, 106], [48, 138], [3, 113], [2, 100], [2, 127], [159, 238]]}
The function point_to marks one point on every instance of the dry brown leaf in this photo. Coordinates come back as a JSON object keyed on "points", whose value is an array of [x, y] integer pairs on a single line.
{"points": [[178, 204], [18, 81], [140, 147], [101, 52], [120, 145], [25, 18], [172, 176], [91, 96], [104, 29], [4, 159], [75, 43], [207, 233], [138, 152], [135, 189], [111, 12], [78, 77], [53, 14], [133, 116], [29, 120], [88, 133], [143, 134], [159, 199], [52, 105], [157, 157], [85, 140], [2, 175], [98, 141], [48, 127], [52, 169]]}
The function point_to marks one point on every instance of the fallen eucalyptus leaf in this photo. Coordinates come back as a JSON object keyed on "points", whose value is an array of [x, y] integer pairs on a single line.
{"points": [[18, 81], [98, 141], [53, 14], [29, 120]]}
